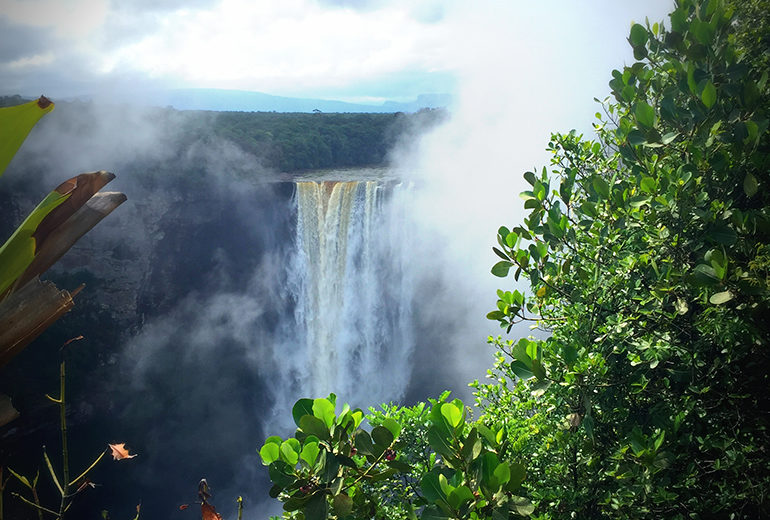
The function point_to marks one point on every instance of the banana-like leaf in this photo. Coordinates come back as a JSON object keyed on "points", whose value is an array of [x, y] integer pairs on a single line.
{"points": [[16, 123], [20, 250], [61, 239]]}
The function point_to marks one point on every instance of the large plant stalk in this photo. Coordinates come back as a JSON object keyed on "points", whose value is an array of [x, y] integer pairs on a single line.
{"points": [[25, 314]]}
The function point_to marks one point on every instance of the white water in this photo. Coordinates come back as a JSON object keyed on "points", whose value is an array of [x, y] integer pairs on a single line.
{"points": [[351, 330]]}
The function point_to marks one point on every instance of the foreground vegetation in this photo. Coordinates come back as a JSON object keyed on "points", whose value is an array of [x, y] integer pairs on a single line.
{"points": [[646, 251]]}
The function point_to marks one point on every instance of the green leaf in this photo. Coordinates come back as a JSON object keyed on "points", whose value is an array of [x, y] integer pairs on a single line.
{"points": [[452, 415], [637, 137], [433, 513], [750, 185], [500, 269], [518, 474], [317, 507], [503, 473], [489, 463], [19, 250], [530, 178], [645, 114], [723, 234], [364, 443], [342, 504], [638, 35], [269, 453], [648, 185], [290, 451], [16, 123], [721, 297], [310, 453], [440, 442], [460, 496], [522, 506], [280, 473], [324, 410], [314, 426], [706, 274], [538, 370], [602, 187], [519, 351], [401, 467], [300, 408], [709, 94], [521, 370], [328, 466], [393, 426], [431, 488], [382, 437]]}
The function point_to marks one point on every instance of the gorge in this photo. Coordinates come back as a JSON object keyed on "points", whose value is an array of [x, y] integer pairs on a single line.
{"points": [[213, 302]]}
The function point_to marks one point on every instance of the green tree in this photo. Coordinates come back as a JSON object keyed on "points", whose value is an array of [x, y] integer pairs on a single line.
{"points": [[647, 254], [427, 461]]}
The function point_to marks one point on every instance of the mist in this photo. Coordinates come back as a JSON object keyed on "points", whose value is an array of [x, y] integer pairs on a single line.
{"points": [[195, 377]]}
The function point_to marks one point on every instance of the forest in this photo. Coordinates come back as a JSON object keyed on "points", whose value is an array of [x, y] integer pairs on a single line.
{"points": [[642, 392], [283, 142]]}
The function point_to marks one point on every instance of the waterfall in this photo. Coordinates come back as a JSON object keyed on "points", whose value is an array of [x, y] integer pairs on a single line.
{"points": [[351, 330]]}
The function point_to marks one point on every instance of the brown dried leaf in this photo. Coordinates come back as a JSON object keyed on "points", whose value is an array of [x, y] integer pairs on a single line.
{"points": [[119, 451], [209, 513]]}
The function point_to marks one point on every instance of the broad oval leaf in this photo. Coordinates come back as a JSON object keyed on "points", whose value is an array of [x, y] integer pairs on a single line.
{"points": [[750, 185], [709, 94], [721, 297], [290, 451], [310, 453], [500, 269], [324, 410], [382, 437], [300, 408], [645, 114], [638, 35], [269, 453], [312, 425], [452, 415]]}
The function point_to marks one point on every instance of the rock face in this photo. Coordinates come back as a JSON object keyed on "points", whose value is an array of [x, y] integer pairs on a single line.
{"points": [[165, 249]]}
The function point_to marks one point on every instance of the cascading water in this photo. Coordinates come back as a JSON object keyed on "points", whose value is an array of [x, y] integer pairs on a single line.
{"points": [[351, 330]]}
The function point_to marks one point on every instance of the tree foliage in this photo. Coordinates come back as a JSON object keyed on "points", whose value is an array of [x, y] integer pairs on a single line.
{"points": [[334, 468], [647, 254], [291, 142]]}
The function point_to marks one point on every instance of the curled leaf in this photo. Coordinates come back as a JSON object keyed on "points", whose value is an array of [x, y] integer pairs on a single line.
{"points": [[119, 452]]}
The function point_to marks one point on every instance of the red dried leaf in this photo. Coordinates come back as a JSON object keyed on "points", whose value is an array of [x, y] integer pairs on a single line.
{"points": [[119, 451], [183, 507], [209, 513]]}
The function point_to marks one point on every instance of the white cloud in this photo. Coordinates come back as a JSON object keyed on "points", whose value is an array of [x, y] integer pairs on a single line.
{"points": [[282, 47], [71, 19], [379, 49]]}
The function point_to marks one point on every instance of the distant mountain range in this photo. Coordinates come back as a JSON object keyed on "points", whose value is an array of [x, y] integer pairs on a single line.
{"points": [[245, 101]]}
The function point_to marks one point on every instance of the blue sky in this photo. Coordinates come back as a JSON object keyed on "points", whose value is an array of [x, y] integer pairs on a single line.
{"points": [[352, 50]]}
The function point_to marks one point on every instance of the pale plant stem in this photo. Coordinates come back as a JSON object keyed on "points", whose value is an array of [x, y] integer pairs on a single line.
{"points": [[93, 464], [65, 451]]}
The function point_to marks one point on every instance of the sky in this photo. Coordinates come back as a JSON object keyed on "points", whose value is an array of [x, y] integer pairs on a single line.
{"points": [[352, 50]]}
